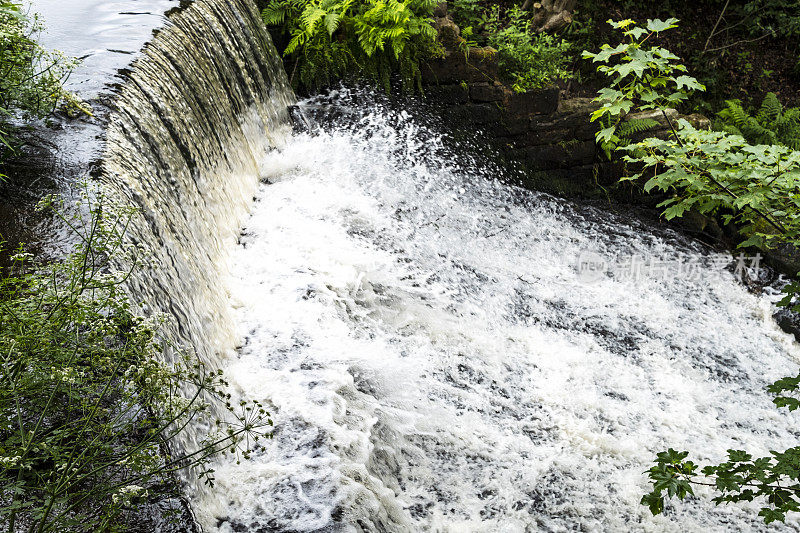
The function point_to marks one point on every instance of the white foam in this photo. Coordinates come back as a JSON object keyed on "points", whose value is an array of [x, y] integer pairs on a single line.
{"points": [[434, 361]]}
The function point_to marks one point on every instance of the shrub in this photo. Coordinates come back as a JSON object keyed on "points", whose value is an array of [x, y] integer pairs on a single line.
{"points": [[32, 77], [91, 411], [527, 60], [329, 39]]}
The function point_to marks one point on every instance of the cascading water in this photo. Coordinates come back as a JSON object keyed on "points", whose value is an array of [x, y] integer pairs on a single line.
{"points": [[435, 361], [430, 353], [193, 121]]}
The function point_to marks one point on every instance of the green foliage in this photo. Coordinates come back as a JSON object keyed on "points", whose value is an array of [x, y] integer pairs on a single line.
{"points": [[642, 77], [722, 174], [32, 77], [469, 14], [714, 172], [330, 38], [778, 17], [772, 124], [475, 18], [91, 413], [527, 60]]}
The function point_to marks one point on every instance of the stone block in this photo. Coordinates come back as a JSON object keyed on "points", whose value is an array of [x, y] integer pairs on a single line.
{"points": [[447, 94], [572, 182], [545, 136], [455, 68], [488, 92], [471, 114], [537, 102], [510, 126], [564, 155], [483, 113]]}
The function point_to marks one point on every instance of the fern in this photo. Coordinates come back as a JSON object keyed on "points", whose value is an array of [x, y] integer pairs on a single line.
{"points": [[330, 38], [734, 114], [638, 125], [772, 124], [771, 109], [274, 15]]}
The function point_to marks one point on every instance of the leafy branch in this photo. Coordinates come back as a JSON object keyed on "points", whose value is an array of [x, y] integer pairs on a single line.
{"points": [[91, 412], [642, 78]]}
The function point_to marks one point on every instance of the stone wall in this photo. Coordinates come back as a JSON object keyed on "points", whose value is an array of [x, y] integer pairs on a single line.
{"points": [[550, 139], [545, 135]]}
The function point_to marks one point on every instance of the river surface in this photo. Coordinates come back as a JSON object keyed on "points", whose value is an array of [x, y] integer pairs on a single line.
{"points": [[103, 35]]}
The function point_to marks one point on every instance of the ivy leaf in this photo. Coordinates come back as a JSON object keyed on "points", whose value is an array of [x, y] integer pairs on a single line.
{"points": [[787, 401], [753, 240], [739, 456], [663, 53], [605, 135], [674, 211], [619, 107], [636, 33], [606, 53], [772, 515], [621, 24], [728, 483], [608, 94]]}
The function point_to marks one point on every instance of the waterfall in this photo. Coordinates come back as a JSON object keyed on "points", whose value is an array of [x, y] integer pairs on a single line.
{"points": [[192, 123], [193, 119], [431, 353]]}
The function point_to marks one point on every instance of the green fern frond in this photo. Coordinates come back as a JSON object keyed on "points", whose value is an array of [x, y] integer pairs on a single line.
{"points": [[772, 124], [297, 40], [734, 113], [788, 125], [310, 16], [332, 22], [755, 132], [770, 109], [634, 126], [274, 15]]}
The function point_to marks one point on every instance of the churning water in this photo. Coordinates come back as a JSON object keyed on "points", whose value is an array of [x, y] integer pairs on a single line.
{"points": [[432, 356], [435, 361]]}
